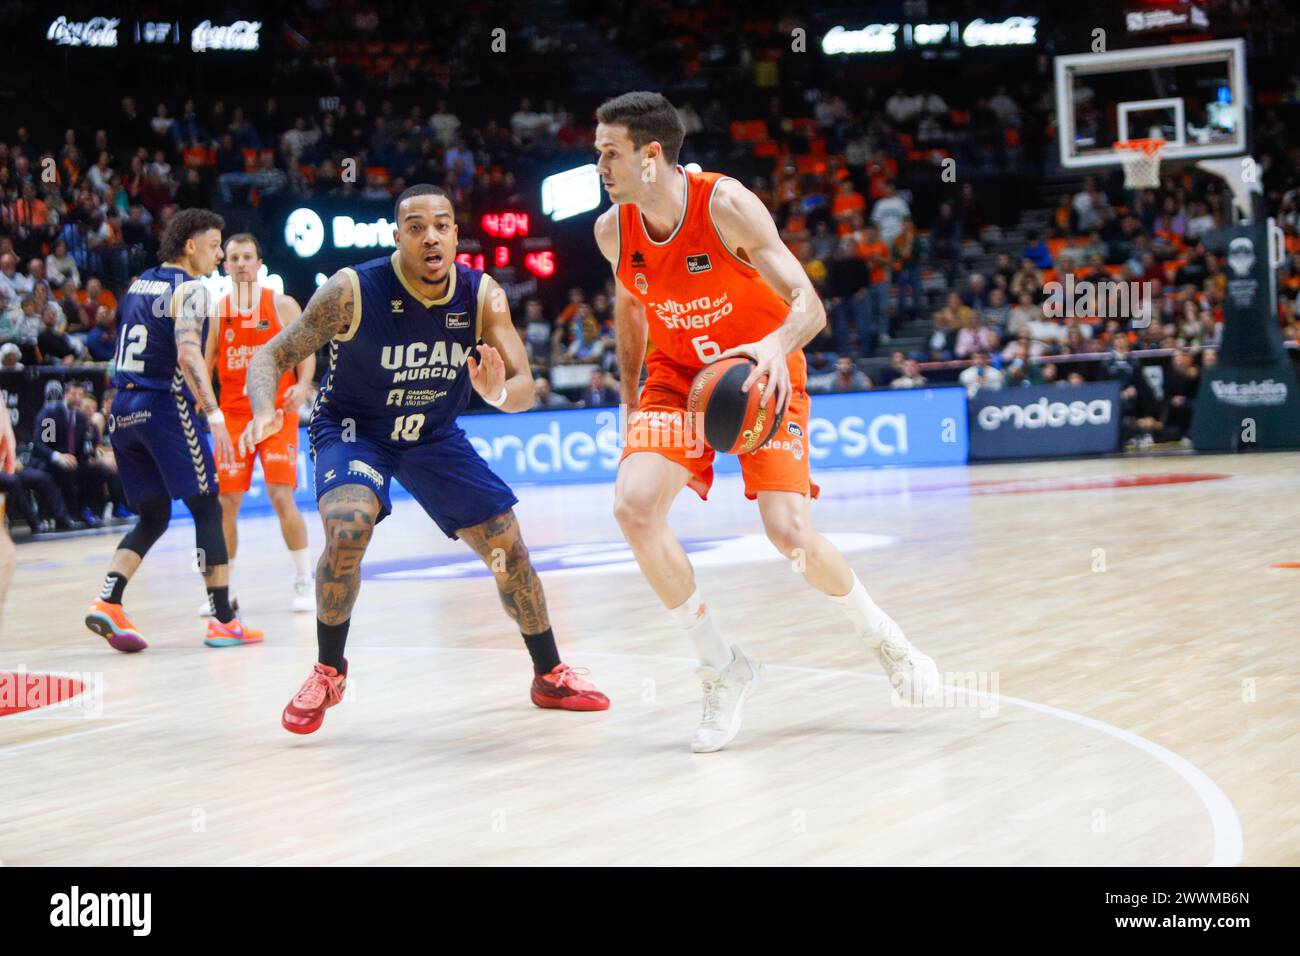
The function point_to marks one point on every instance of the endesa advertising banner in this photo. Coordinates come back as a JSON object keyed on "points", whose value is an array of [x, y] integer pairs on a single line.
{"points": [[851, 430], [1044, 422]]}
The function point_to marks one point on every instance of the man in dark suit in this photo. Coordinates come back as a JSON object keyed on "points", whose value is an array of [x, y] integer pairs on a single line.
{"points": [[599, 392], [62, 446]]}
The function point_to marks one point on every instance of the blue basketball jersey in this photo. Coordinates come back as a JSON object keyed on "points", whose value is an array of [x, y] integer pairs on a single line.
{"points": [[398, 372], [146, 343]]}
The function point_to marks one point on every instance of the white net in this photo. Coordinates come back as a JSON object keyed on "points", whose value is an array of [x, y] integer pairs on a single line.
{"points": [[1141, 159]]}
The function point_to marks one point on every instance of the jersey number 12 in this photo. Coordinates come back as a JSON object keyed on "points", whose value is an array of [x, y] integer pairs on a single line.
{"points": [[129, 347]]}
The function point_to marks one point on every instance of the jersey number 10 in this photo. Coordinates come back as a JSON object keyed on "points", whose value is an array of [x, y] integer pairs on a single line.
{"points": [[407, 428]]}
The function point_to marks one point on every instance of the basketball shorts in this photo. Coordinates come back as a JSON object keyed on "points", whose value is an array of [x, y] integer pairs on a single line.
{"points": [[279, 454], [450, 480], [161, 446], [661, 426]]}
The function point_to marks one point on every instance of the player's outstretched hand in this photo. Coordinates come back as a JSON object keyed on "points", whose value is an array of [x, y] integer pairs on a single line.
{"points": [[771, 361], [222, 449], [488, 374], [261, 427]]}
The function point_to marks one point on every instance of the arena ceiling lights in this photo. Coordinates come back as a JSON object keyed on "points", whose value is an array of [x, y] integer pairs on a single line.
{"points": [[571, 192]]}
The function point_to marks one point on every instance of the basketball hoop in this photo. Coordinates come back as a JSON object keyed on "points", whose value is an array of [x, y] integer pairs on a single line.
{"points": [[1141, 159]]}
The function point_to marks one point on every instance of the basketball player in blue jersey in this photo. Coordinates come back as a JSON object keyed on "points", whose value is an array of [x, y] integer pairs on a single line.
{"points": [[164, 408], [402, 332]]}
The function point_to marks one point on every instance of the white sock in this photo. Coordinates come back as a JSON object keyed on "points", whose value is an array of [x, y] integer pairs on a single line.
{"points": [[694, 618], [301, 563], [869, 621]]}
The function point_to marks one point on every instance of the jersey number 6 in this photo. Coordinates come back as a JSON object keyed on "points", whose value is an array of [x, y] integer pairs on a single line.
{"points": [[707, 350]]}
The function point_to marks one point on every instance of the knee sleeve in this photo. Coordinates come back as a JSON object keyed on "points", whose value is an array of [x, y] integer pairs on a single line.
{"points": [[155, 514], [208, 535]]}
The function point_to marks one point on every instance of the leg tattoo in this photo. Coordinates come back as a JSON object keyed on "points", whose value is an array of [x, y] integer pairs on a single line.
{"points": [[501, 546], [348, 513]]}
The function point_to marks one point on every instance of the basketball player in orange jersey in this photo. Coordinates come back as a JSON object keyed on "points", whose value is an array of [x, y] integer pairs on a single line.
{"points": [[702, 271], [246, 320]]}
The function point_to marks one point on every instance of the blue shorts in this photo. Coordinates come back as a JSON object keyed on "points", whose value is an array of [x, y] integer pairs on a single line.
{"points": [[450, 480], [161, 446]]}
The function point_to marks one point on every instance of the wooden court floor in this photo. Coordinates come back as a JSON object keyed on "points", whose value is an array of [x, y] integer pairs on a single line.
{"points": [[1120, 653]]}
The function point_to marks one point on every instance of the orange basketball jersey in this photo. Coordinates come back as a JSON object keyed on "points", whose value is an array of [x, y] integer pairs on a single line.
{"points": [[700, 298], [238, 339]]}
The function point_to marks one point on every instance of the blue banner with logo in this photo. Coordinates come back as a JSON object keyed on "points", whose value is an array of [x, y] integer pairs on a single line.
{"points": [[1045, 421], [907, 427]]}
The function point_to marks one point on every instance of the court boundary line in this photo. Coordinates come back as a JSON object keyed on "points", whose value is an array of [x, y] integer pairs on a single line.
{"points": [[1225, 825]]}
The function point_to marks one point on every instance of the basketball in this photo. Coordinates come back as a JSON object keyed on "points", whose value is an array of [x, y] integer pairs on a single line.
{"points": [[734, 421]]}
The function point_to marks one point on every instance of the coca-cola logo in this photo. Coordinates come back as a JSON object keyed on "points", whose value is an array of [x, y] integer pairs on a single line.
{"points": [[240, 35], [97, 31]]}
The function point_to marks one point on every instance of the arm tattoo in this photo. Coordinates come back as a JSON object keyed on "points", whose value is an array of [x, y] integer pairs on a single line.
{"points": [[348, 513], [188, 321], [498, 542], [327, 314]]}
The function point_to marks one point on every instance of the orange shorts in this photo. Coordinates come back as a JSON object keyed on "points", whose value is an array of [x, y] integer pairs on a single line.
{"points": [[279, 454], [660, 425]]}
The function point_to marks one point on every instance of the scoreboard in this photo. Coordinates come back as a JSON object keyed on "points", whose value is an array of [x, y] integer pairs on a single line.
{"points": [[507, 243]]}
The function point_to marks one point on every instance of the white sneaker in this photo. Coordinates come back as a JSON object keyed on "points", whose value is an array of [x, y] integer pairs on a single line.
{"points": [[913, 676], [304, 596], [725, 694]]}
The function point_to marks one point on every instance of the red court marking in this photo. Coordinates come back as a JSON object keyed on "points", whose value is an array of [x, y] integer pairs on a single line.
{"points": [[21, 692], [1020, 486], [1288, 564]]}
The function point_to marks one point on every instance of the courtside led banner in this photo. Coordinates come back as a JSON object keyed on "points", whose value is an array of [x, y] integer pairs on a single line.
{"points": [[1045, 421], [852, 430]]}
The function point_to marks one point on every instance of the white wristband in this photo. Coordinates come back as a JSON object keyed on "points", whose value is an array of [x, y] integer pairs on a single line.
{"points": [[216, 418], [499, 400]]}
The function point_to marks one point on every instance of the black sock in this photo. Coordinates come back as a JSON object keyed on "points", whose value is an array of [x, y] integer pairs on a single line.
{"points": [[330, 641], [541, 648], [114, 585], [219, 601]]}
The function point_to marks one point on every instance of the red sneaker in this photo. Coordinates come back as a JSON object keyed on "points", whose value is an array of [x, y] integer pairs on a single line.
{"points": [[110, 622], [563, 689], [232, 634], [319, 692]]}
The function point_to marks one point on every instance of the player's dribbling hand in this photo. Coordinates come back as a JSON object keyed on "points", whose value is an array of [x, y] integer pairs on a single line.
{"points": [[771, 361], [261, 427], [488, 375]]}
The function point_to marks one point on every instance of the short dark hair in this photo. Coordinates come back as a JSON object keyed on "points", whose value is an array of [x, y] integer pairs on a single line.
{"points": [[244, 237], [419, 189], [649, 117], [184, 226]]}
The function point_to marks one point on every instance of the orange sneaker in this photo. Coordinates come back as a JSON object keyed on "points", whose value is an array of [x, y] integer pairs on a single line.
{"points": [[318, 693], [110, 622], [563, 689], [232, 634]]}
